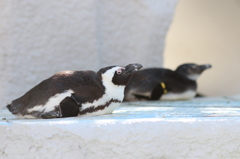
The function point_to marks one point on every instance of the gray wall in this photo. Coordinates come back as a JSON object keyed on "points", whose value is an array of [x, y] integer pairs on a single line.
{"points": [[40, 38]]}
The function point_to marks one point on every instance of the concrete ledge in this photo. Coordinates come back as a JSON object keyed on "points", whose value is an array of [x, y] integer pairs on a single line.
{"points": [[200, 128]]}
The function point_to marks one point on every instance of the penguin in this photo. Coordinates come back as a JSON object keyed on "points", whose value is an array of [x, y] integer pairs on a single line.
{"points": [[73, 93], [164, 84]]}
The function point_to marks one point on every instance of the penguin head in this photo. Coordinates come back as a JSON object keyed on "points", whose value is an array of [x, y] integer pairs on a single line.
{"points": [[191, 70], [119, 75]]}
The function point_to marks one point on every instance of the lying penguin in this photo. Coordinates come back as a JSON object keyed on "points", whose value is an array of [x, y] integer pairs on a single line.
{"points": [[164, 84], [73, 93]]}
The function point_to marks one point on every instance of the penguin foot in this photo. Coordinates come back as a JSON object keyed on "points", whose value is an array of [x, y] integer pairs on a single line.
{"points": [[141, 97], [156, 93], [47, 116], [50, 115], [69, 107]]}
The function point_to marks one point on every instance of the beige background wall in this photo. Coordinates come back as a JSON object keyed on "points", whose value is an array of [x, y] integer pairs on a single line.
{"points": [[207, 31]]}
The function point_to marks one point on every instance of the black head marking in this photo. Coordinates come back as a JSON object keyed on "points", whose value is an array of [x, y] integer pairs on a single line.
{"points": [[189, 69], [121, 78], [118, 75], [123, 74]]}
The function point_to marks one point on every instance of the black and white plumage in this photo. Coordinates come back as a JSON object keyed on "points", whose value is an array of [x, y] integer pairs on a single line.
{"points": [[73, 93], [164, 84]]}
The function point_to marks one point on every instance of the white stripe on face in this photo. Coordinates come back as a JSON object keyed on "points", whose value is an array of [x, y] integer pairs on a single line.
{"points": [[112, 91], [193, 77]]}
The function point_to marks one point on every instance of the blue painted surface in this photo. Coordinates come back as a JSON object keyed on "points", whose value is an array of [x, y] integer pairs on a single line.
{"points": [[201, 108]]}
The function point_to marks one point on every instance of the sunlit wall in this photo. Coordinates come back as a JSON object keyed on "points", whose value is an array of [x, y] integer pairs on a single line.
{"points": [[207, 31]]}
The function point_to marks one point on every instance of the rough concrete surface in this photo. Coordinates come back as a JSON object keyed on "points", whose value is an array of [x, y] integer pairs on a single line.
{"points": [[39, 38], [195, 129]]}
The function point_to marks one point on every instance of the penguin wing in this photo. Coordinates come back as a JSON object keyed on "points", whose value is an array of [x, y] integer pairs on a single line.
{"points": [[141, 88], [154, 93], [87, 93], [70, 106]]}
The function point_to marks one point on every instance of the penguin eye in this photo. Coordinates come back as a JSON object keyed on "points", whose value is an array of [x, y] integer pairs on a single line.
{"points": [[119, 72]]}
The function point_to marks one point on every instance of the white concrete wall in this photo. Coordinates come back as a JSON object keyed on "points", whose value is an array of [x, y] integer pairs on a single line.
{"points": [[122, 139], [202, 128], [207, 31], [39, 38]]}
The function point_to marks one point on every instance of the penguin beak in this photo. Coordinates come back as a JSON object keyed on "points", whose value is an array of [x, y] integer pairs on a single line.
{"points": [[133, 67], [204, 67]]}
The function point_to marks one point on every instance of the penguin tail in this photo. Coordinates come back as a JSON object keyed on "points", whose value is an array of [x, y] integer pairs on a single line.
{"points": [[11, 108]]}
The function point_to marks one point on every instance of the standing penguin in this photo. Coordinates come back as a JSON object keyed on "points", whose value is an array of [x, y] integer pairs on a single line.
{"points": [[164, 84], [73, 93]]}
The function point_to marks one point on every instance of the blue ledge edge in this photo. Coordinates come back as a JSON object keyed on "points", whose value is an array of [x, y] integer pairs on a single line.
{"points": [[206, 108]]}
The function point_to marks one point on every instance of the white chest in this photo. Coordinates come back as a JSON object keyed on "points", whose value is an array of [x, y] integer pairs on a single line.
{"points": [[107, 110], [107, 103]]}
